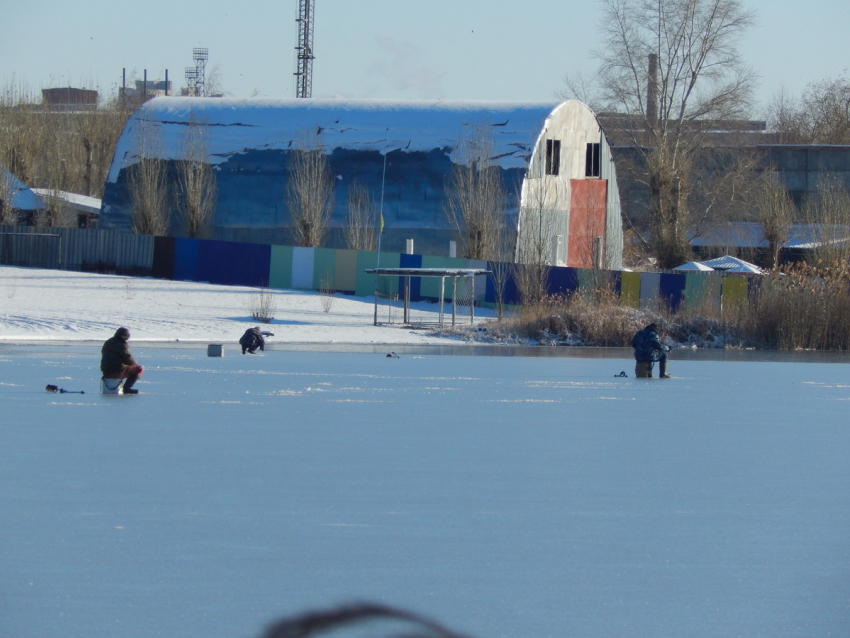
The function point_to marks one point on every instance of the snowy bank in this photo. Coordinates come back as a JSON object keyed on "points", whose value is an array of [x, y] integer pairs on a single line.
{"points": [[55, 305]]}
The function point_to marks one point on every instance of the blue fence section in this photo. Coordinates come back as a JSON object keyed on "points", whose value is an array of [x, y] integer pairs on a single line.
{"points": [[186, 259], [223, 262]]}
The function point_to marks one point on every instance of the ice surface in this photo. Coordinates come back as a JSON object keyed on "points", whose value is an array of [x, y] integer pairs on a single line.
{"points": [[504, 496]]}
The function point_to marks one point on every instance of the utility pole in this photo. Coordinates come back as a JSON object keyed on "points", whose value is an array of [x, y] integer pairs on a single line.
{"points": [[304, 51]]}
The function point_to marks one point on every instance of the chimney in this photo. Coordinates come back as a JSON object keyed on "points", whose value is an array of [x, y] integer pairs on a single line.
{"points": [[652, 90]]}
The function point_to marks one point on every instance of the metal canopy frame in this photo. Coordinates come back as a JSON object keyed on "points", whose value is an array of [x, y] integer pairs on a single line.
{"points": [[443, 273]]}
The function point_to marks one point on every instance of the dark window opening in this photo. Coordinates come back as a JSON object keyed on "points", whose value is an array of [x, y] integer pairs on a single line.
{"points": [[591, 164], [553, 157]]}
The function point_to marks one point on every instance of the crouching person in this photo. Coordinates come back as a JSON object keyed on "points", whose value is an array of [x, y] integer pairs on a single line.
{"points": [[117, 363], [648, 350], [251, 340]]}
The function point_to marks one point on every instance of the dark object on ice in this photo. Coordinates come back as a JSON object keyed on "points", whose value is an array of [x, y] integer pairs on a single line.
{"points": [[130, 391], [53, 388], [251, 340], [326, 621], [622, 374], [392, 355], [266, 333]]}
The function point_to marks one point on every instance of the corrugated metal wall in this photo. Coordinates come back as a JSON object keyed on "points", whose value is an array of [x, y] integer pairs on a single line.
{"points": [[76, 249]]}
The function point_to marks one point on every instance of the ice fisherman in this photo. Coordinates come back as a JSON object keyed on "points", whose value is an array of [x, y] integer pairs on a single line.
{"points": [[648, 350], [116, 361], [251, 340]]}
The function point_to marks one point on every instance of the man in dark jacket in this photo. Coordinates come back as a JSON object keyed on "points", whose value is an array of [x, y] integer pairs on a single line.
{"points": [[251, 340], [649, 349], [116, 361]]}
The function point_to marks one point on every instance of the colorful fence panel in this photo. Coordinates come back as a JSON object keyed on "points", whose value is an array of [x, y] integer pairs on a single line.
{"points": [[302, 268], [284, 267], [671, 288], [234, 264], [280, 267]]}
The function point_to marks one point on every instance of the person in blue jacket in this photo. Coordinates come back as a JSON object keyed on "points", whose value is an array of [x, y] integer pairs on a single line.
{"points": [[648, 350]]}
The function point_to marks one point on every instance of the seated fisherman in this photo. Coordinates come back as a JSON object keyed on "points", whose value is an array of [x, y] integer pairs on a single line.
{"points": [[116, 361]]}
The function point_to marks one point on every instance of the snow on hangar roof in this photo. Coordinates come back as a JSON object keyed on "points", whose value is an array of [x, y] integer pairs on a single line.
{"points": [[238, 125]]}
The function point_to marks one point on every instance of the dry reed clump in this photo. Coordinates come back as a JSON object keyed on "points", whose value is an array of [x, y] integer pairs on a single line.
{"points": [[591, 318], [703, 325], [801, 307]]}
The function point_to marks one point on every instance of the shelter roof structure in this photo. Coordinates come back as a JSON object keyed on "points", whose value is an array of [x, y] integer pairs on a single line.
{"points": [[80, 203], [23, 197], [730, 264], [443, 273], [693, 266]]}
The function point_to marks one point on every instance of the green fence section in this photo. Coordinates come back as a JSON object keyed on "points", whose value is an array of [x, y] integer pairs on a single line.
{"points": [[733, 290], [346, 270], [280, 275], [702, 291], [630, 289]]}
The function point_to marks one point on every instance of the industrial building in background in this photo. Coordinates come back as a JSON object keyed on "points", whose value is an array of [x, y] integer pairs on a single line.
{"points": [[553, 162], [304, 50]]}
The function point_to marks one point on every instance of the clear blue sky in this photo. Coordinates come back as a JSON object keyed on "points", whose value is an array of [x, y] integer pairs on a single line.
{"points": [[459, 49]]}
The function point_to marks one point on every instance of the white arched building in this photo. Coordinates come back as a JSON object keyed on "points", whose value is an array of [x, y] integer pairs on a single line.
{"points": [[570, 204], [553, 161]]}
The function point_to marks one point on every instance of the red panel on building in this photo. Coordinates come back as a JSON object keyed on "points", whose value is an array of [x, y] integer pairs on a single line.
{"points": [[587, 221]]}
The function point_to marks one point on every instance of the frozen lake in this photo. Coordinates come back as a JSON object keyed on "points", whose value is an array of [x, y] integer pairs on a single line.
{"points": [[524, 497]]}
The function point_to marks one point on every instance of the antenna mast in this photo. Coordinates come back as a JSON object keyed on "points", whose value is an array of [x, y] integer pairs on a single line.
{"points": [[304, 51]]}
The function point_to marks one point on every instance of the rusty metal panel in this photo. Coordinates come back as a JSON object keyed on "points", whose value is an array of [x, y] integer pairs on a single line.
{"points": [[587, 221]]}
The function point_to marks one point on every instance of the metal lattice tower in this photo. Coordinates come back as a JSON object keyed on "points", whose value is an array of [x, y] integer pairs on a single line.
{"points": [[304, 51], [196, 75]]}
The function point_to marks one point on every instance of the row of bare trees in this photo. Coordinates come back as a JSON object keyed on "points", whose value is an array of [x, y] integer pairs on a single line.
{"points": [[189, 189], [58, 150]]}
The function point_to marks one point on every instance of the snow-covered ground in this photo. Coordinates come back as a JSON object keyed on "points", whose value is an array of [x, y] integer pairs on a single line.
{"points": [[56, 305], [505, 496]]}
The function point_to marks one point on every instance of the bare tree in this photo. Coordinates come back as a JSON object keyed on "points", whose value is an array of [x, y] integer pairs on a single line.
{"points": [[147, 183], [8, 214], [820, 116], [196, 180], [361, 229], [775, 212], [535, 249], [214, 85], [672, 68], [58, 213], [827, 212], [500, 269], [309, 192], [475, 197]]}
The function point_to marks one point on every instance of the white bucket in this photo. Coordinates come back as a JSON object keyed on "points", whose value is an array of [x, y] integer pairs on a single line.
{"points": [[110, 386]]}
